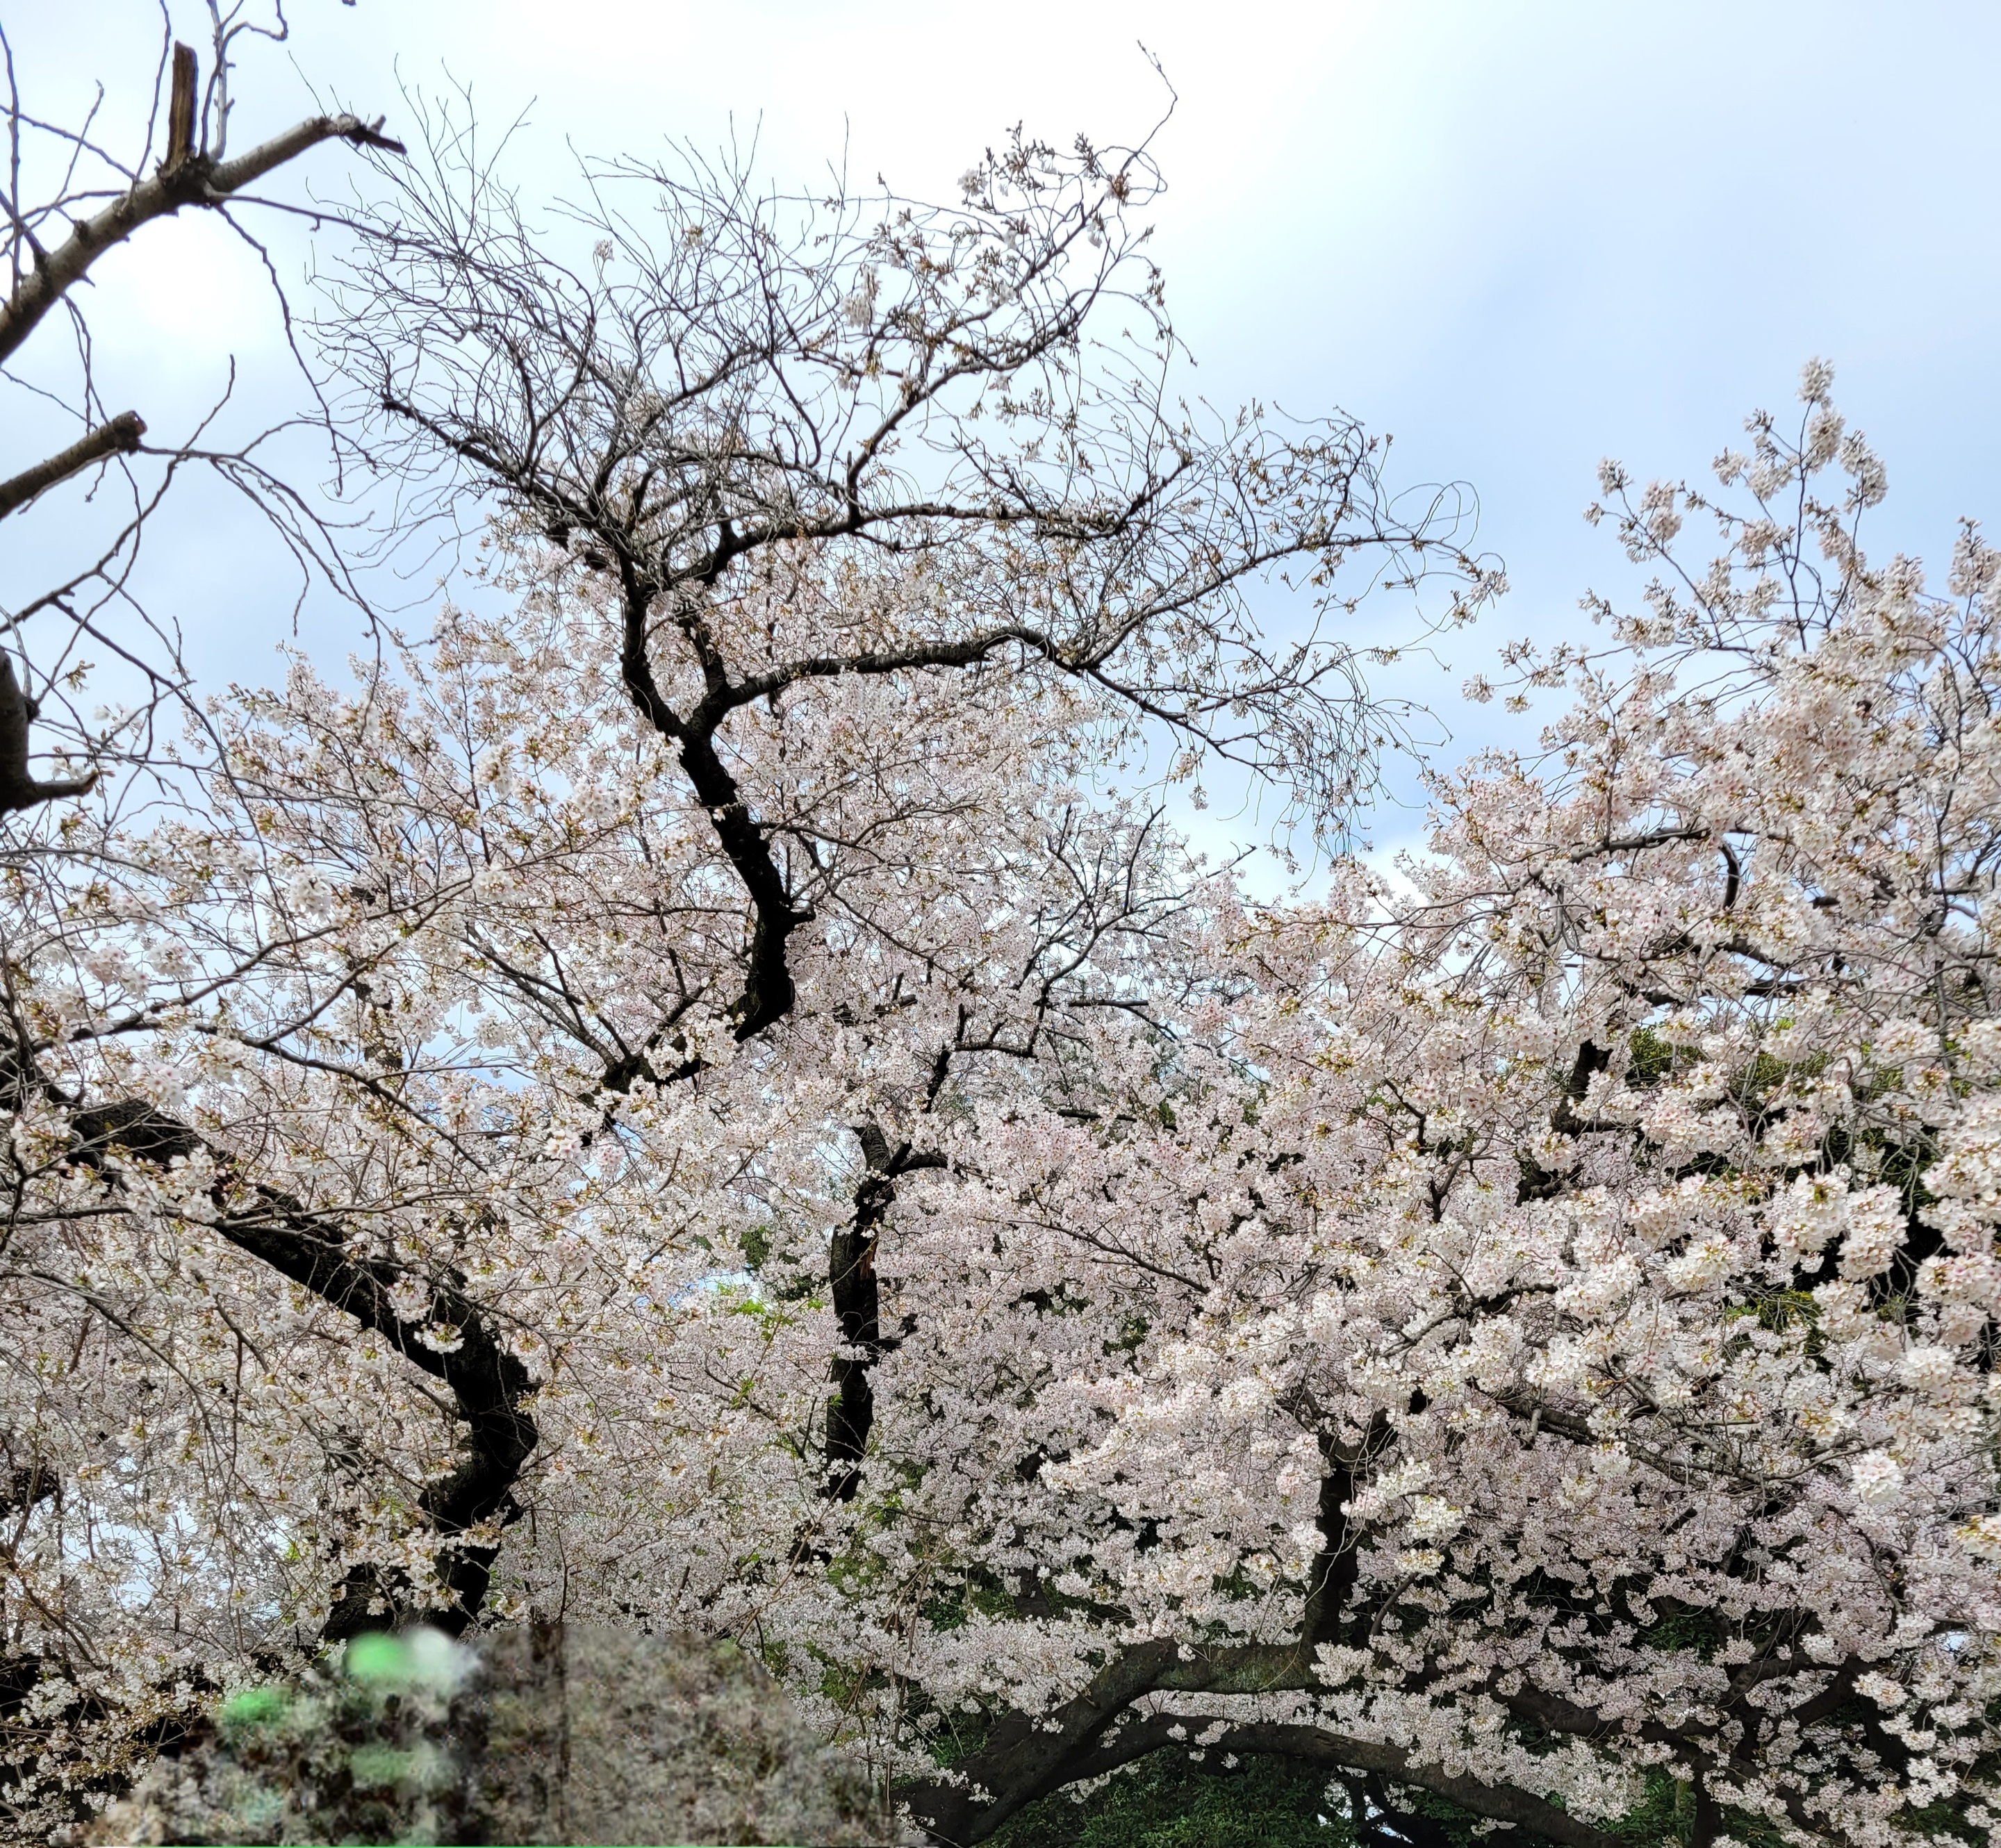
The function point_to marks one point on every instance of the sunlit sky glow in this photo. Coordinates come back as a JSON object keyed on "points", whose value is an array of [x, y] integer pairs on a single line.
{"points": [[1519, 237]]}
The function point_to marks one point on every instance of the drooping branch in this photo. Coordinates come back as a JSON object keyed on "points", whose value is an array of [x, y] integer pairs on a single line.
{"points": [[1026, 1758], [1337, 1752], [1093, 1734], [454, 1341]]}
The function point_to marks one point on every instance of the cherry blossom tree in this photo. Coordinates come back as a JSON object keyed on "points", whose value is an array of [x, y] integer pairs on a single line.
{"points": [[1549, 1364], [77, 186], [686, 1096], [386, 1114]]}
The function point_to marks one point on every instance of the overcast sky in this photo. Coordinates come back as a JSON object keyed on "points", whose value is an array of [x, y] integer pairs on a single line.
{"points": [[1517, 236]]}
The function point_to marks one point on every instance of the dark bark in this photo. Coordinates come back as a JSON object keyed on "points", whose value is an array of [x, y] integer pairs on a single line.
{"points": [[768, 991], [851, 1413], [180, 109], [488, 1385], [1708, 1821], [25, 1487], [1021, 1761], [1339, 1561], [194, 180], [18, 789], [1538, 1182]]}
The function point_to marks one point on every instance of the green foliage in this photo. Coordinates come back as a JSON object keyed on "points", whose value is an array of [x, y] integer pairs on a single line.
{"points": [[358, 1749], [1650, 1058], [780, 1269], [1168, 1801]]}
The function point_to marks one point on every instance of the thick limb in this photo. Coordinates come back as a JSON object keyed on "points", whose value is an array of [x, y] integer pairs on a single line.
{"points": [[489, 1386]]}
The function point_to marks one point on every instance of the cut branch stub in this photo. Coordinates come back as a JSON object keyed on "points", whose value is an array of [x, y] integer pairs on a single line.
{"points": [[196, 180], [180, 110], [119, 435]]}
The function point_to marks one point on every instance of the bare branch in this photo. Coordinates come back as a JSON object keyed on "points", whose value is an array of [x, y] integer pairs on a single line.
{"points": [[119, 436]]}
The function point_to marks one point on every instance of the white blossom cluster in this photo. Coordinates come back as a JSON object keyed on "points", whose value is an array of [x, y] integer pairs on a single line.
{"points": [[1524, 1328]]}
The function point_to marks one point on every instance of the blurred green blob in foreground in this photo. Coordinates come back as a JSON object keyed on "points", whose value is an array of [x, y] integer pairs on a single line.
{"points": [[538, 1735]]}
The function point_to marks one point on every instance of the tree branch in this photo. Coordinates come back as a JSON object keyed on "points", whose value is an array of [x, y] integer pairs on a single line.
{"points": [[18, 789], [119, 437], [488, 1384], [1499, 1803], [191, 179], [857, 1305]]}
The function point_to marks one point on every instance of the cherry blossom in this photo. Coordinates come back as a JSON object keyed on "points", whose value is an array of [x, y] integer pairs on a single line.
{"points": [[682, 1098]]}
